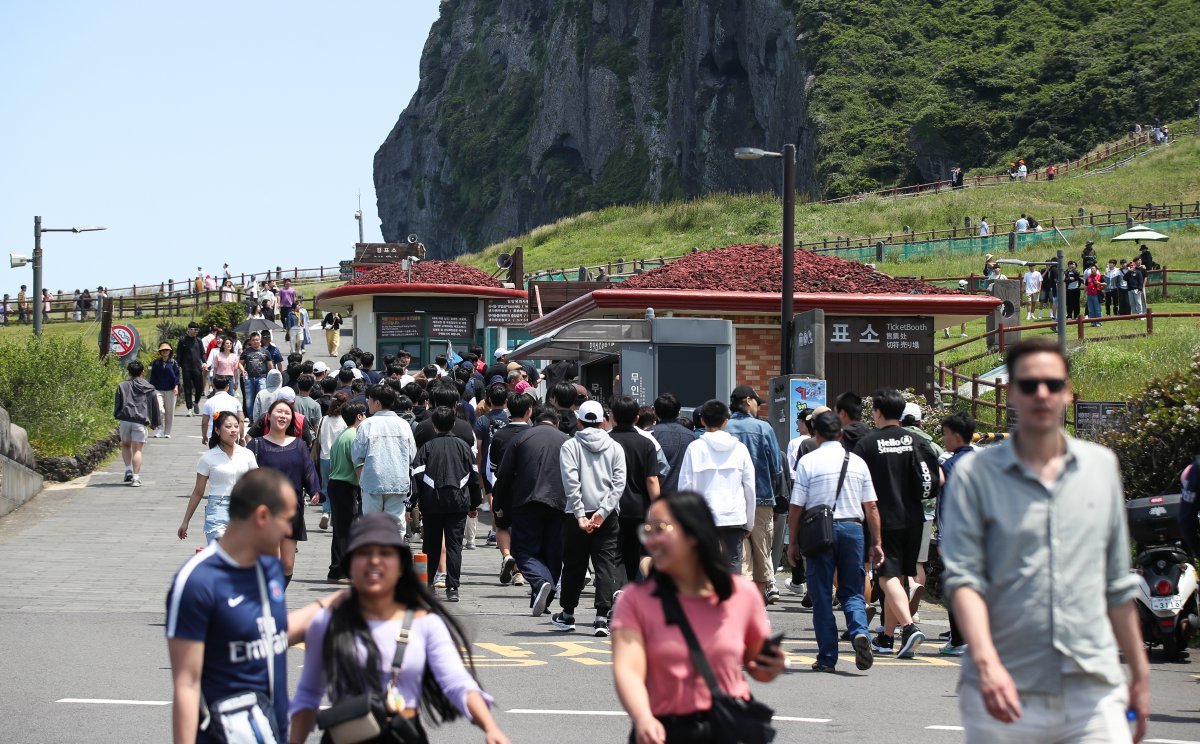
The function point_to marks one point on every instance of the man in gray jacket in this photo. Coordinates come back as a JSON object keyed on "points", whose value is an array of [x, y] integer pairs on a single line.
{"points": [[593, 475], [136, 407]]}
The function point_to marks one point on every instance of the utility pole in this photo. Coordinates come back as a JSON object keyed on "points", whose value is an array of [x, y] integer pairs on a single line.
{"points": [[359, 216], [106, 327]]}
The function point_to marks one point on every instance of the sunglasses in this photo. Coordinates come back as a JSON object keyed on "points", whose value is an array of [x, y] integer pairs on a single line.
{"points": [[1030, 385], [647, 530]]}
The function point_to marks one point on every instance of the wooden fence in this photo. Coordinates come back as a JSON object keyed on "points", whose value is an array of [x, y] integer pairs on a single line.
{"points": [[958, 386], [1160, 279]]}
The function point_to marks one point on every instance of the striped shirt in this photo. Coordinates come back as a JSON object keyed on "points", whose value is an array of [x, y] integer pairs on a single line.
{"points": [[817, 479]]}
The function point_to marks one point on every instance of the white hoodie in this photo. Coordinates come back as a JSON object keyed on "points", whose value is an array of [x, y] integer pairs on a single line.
{"points": [[719, 467]]}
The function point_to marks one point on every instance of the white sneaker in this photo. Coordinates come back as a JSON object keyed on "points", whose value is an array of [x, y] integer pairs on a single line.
{"points": [[793, 588], [439, 580]]}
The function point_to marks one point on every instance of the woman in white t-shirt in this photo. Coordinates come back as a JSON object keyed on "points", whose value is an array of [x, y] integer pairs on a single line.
{"points": [[216, 473]]}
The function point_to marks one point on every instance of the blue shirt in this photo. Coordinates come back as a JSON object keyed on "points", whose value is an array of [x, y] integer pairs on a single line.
{"points": [[384, 446], [215, 601], [759, 438]]}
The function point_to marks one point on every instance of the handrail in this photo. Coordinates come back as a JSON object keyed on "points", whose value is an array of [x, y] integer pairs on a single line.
{"points": [[297, 275]]}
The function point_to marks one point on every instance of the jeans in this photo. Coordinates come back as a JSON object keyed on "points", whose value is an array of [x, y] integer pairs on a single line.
{"points": [[439, 526], [1093, 306], [343, 499], [391, 503], [216, 517], [601, 546], [1088, 711], [250, 391], [731, 546], [1137, 302], [846, 558], [537, 544], [323, 472]]}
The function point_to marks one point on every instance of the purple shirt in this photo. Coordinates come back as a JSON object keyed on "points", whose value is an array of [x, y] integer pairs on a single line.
{"points": [[429, 645], [287, 297]]}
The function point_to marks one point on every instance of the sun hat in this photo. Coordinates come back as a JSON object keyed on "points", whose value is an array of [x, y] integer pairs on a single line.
{"points": [[376, 528]]}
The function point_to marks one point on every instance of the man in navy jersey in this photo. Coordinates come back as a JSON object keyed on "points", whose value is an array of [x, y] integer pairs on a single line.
{"points": [[219, 637]]}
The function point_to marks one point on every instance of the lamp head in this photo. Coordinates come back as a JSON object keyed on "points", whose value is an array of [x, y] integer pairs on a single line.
{"points": [[16, 260]]}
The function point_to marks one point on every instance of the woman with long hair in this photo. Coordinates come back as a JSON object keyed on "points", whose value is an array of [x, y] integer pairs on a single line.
{"points": [[218, 470], [655, 678], [350, 649], [224, 360], [228, 293], [282, 447]]}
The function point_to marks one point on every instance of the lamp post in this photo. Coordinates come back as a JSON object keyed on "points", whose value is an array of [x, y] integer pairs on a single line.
{"points": [[1060, 303], [789, 240], [37, 264]]}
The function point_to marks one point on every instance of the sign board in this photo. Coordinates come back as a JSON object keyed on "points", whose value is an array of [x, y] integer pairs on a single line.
{"points": [[808, 343], [450, 326], [400, 325], [1094, 417], [512, 312], [346, 265], [124, 341], [878, 335], [383, 253], [787, 396]]}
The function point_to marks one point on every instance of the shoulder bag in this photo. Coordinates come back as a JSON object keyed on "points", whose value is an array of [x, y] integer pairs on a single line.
{"points": [[815, 535], [247, 716], [372, 717], [732, 719]]}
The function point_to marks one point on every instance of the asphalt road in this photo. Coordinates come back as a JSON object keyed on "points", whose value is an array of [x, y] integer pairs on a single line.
{"points": [[82, 656]]}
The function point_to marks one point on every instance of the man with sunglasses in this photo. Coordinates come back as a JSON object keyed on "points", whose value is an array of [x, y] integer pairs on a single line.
{"points": [[1036, 556]]}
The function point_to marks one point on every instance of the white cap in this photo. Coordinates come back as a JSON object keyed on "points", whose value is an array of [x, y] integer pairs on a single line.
{"points": [[590, 412], [286, 393], [911, 409], [320, 368], [500, 353]]}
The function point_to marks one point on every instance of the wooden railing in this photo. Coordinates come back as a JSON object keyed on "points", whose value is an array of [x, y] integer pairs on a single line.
{"points": [[970, 388], [1159, 279], [171, 287], [149, 306]]}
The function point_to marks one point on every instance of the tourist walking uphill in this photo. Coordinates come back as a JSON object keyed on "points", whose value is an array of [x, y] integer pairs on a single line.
{"points": [[136, 407]]}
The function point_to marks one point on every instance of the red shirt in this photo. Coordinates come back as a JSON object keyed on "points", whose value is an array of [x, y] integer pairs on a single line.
{"points": [[725, 630]]}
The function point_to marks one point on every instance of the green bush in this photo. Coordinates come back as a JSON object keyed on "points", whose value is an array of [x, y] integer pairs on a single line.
{"points": [[57, 388], [1160, 434], [226, 315], [170, 331]]}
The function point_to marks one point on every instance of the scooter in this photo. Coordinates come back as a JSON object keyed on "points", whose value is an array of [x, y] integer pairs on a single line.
{"points": [[1169, 600]]}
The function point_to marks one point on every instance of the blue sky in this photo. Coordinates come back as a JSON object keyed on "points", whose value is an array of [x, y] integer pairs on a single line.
{"points": [[199, 133]]}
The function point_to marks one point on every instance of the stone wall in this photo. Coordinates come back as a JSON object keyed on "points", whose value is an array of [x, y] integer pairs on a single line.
{"points": [[18, 484]]}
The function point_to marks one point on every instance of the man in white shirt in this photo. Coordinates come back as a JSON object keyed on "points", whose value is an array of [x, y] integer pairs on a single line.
{"points": [[1033, 289], [718, 467], [832, 476], [1022, 224], [984, 229], [221, 400]]}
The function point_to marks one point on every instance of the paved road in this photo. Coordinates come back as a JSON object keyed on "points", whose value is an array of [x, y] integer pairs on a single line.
{"points": [[87, 564]]}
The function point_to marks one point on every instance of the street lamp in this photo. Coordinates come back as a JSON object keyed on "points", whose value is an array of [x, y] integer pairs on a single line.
{"points": [[789, 239], [37, 264], [1060, 303]]}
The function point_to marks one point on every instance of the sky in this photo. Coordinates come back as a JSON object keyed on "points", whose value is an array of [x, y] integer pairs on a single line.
{"points": [[198, 133]]}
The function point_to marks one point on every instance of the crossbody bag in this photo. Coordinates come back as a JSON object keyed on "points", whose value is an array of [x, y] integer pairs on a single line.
{"points": [[815, 535], [248, 717], [372, 717]]}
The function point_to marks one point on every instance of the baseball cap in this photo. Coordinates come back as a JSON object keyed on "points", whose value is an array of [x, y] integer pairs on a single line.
{"points": [[501, 353], [590, 412], [320, 368], [745, 391], [513, 365], [286, 393], [911, 409], [348, 364]]}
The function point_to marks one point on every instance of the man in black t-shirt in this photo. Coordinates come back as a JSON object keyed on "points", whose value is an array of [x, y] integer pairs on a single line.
{"points": [[255, 363], [904, 471], [641, 481]]}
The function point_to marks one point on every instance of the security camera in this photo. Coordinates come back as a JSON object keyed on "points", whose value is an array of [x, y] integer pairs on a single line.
{"points": [[16, 260]]}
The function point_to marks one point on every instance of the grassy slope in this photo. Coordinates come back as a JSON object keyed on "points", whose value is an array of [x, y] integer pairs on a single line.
{"points": [[671, 229]]}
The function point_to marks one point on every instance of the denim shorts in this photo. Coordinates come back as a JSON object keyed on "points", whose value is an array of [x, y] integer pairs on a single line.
{"points": [[216, 517]]}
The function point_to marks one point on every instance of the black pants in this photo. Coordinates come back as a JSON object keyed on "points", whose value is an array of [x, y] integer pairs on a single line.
{"points": [[1122, 302], [630, 546], [601, 546], [1072, 303], [449, 527], [688, 729], [956, 638], [1110, 302], [732, 539], [193, 387], [344, 508], [537, 544]]}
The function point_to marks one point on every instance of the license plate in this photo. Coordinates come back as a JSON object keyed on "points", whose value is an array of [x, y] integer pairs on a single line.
{"points": [[1166, 603]]}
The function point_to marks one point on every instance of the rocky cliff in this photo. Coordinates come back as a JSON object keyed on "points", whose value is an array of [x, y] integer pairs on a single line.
{"points": [[529, 110]]}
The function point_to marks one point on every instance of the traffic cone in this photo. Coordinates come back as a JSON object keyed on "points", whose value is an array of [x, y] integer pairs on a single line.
{"points": [[421, 566]]}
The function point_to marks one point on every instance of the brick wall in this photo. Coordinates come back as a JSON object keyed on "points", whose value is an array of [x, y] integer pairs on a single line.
{"points": [[757, 353]]}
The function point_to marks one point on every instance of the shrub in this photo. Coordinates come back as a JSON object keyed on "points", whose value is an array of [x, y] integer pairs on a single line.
{"points": [[170, 331], [57, 388], [225, 315], [1160, 434]]}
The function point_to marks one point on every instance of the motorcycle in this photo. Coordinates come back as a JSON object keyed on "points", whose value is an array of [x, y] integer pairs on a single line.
{"points": [[1169, 601]]}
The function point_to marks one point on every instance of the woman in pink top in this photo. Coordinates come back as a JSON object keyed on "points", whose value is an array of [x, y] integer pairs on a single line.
{"points": [[655, 678], [224, 361]]}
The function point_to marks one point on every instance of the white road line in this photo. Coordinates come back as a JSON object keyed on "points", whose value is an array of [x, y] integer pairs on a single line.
{"points": [[1169, 741], [537, 712], [943, 728], [100, 701]]}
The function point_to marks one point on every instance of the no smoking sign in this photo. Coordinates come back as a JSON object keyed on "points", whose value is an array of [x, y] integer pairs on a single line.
{"points": [[124, 341]]}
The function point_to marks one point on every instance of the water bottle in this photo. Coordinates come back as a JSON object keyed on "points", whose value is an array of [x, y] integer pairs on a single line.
{"points": [[1132, 717]]}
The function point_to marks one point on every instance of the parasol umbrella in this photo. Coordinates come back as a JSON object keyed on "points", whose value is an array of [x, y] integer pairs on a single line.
{"points": [[1141, 233], [258, 325]]}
